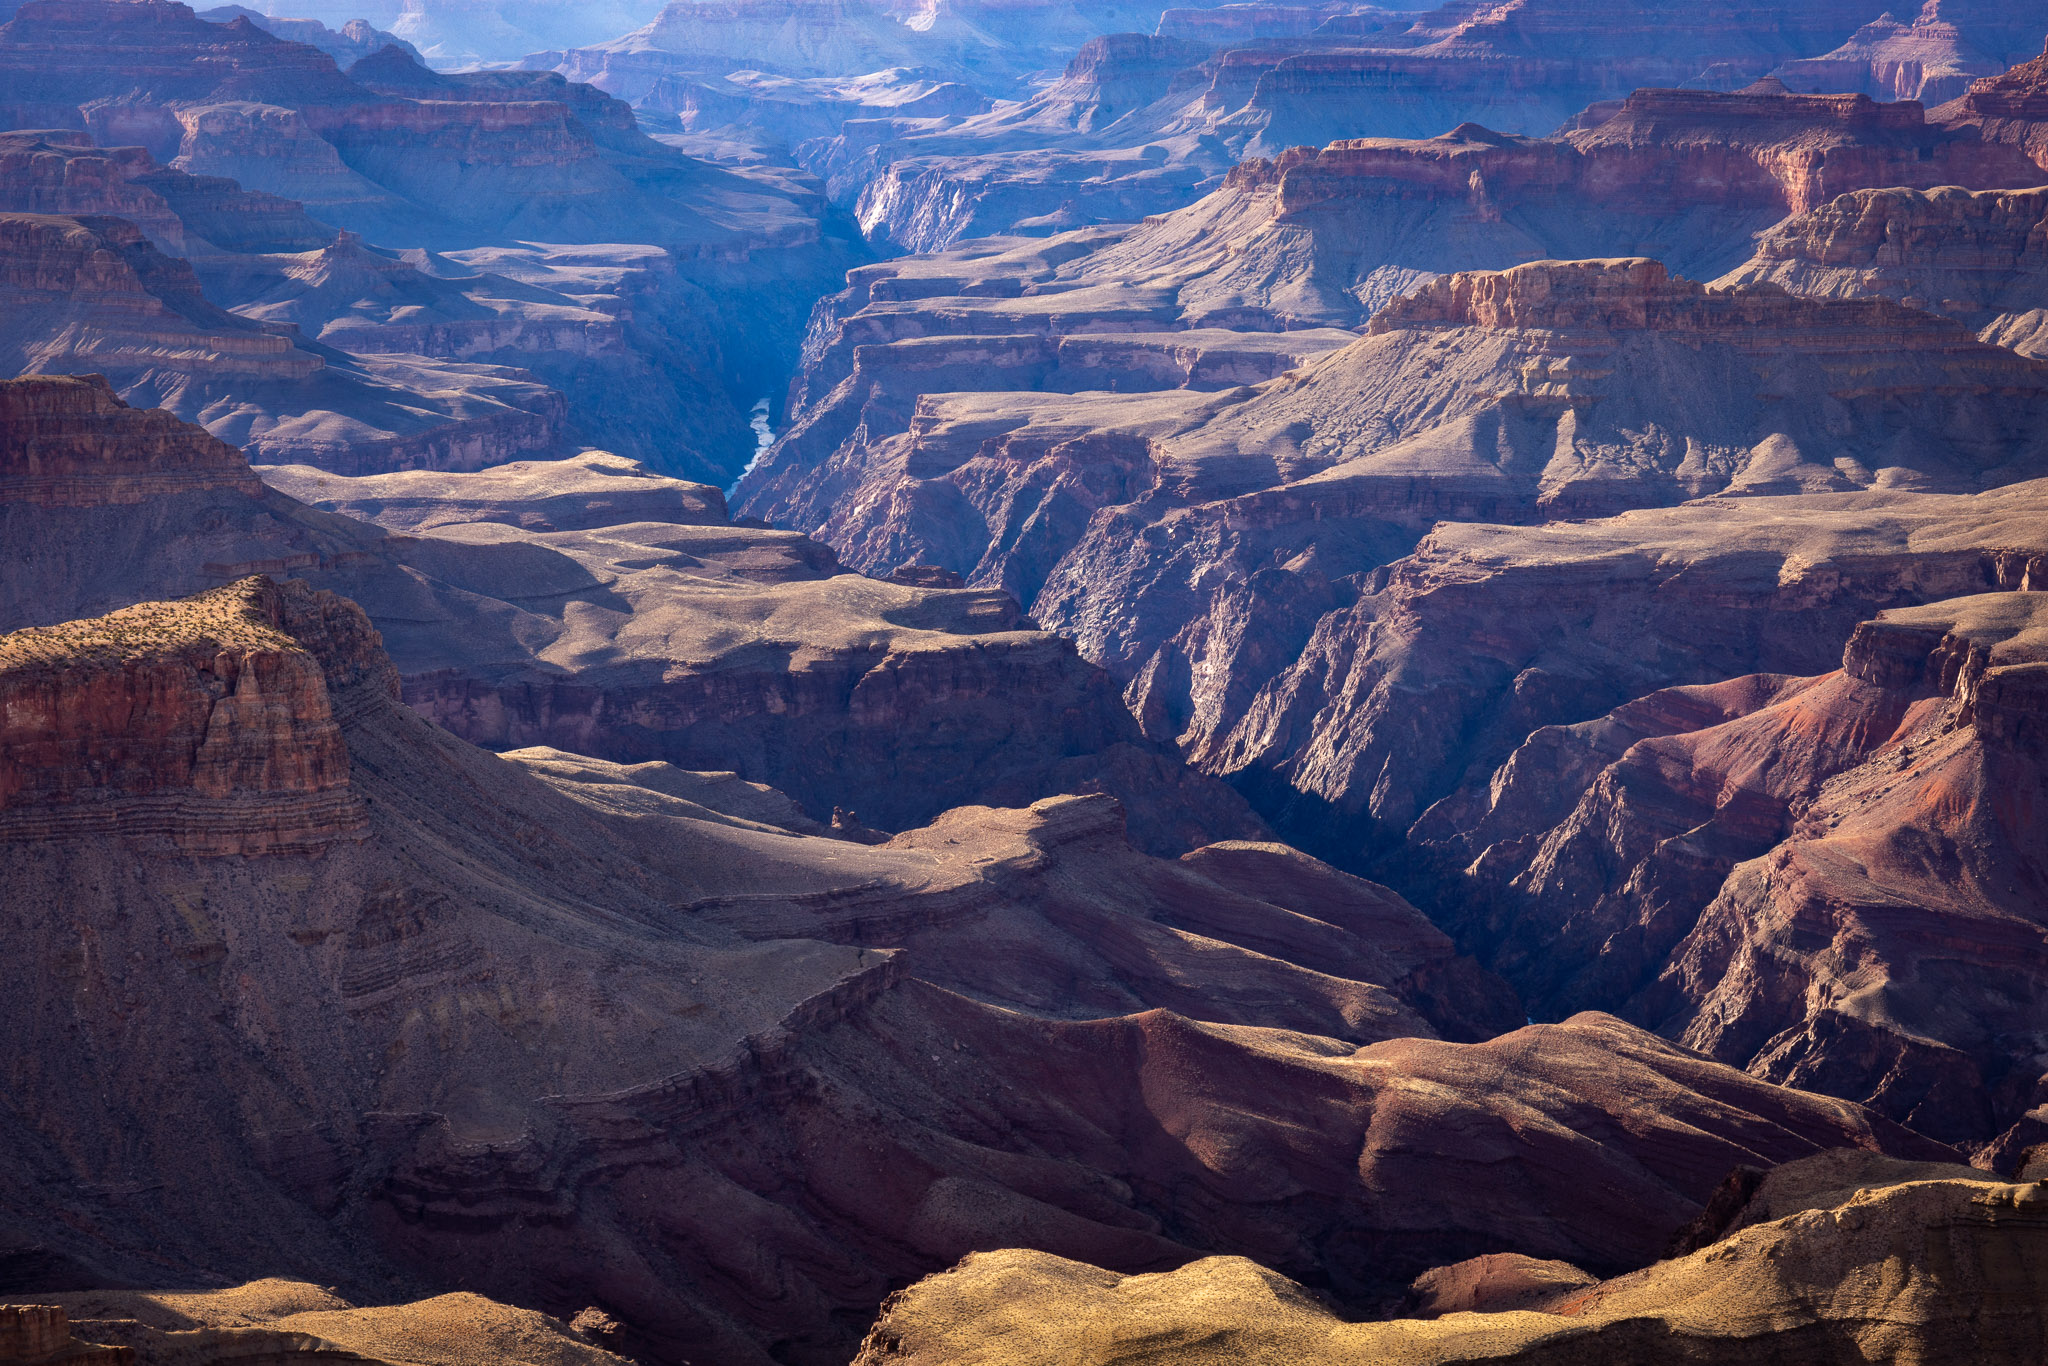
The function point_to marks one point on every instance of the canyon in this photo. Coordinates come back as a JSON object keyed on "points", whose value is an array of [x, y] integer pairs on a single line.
{"points": [[1142, 123], [764, 684], [564, 279]]}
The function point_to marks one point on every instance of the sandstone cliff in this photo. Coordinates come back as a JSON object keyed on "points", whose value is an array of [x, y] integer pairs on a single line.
{"points": [[207, 723]]}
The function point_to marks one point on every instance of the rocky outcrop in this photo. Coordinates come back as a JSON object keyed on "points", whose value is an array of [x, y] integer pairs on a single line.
{"points": [[1928, 60], [2009, 110], [41, 1333], [1593, 854], [1921, 863], [1955, 1248], [207, 723], [68, 441], [94, 295], [1980, 257]]}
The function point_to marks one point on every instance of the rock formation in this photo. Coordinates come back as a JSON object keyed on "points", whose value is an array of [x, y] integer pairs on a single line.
{"points": [[40, 1333], [1656, 851], [94, 295], [1928, 60], [2009, 110], [205, 722], [1960, 1258], [596, 606], [1307, 242], [347, 43], [527, 923], [1980, 257]]}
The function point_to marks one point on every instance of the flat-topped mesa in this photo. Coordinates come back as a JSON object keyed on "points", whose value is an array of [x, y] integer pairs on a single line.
{"points": [[1760, 147], [210, 722], [69, 441], [1637, 294]]}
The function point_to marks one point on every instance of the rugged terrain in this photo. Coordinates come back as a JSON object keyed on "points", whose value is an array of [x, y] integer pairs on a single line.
{"points": [[1396, 593], [1142, 123], [407, 899], [1421, 747], [660, 294], [1818, 1279], [593, 605]]}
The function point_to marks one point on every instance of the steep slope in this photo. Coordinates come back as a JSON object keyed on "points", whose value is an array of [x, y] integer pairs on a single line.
{"points": [[684, 638], [1924, 865], [1638, 847], [779, 993], [1982, 257], [1959, 1258], [93, 295], [2009, 110]]}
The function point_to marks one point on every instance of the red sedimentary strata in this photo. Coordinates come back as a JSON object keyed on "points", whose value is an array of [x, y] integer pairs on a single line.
{"points": [[2009, 110], [1806, 876], [1666, 149], [208, 722], [69, 441], [1892, 948]]}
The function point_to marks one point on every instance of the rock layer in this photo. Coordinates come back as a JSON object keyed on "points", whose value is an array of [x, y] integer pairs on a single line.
{"points": [[1960, 1257], [1980, 257], [782, 992]]}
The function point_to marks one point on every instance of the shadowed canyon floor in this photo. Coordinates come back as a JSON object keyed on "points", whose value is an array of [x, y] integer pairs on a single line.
{"points": [[640, 625]]}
